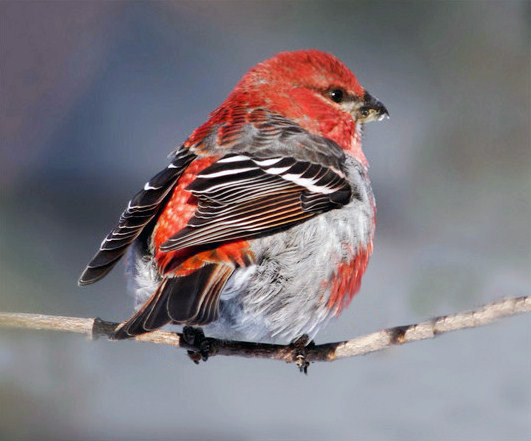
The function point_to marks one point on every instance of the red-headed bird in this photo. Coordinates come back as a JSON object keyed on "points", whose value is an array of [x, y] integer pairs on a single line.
{"points": [[261, 226]]}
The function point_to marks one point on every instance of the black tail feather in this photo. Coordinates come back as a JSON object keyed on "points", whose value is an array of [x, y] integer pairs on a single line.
{"points": [[190, 300]]}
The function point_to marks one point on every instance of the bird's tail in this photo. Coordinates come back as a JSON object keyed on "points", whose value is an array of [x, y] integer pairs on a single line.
{"points": [[192, 300]]}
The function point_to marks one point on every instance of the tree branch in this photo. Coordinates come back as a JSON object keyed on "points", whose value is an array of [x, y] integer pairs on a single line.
{"points": [[376, 341]]}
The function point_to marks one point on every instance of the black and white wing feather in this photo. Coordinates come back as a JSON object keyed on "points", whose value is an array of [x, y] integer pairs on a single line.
{"points": [[241, 196], [139, 212]]}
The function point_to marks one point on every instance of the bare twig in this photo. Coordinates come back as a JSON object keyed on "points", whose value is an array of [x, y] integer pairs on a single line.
{"points": [[326, 352]]}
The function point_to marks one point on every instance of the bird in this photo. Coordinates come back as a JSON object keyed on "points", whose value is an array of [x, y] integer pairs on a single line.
{"points": [[261, 226]]}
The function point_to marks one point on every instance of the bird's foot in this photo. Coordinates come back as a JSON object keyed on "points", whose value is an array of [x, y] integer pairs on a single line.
{"points": [[201, 347], [300, 346]]}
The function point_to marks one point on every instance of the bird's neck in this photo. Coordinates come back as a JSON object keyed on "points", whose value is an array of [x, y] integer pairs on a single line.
{"points": [[316, 116], [334, 125], [347, 134]]}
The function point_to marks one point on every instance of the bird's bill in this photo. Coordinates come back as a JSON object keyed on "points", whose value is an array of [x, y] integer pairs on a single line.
{"points": [[370, 109]]}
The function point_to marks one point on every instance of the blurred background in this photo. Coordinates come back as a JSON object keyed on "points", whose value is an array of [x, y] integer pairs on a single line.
{"points": [[94, 95]]}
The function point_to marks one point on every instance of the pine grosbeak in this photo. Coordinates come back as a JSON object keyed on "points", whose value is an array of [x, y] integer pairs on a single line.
{"points": [[261, 226]]}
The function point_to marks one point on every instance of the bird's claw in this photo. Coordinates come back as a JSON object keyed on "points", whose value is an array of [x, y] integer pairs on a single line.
{"points": [[299, 346], [302, 363], [201, 347]]}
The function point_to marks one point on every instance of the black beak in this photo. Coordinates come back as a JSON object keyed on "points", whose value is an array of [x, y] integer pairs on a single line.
{"points": [[372, 109]]}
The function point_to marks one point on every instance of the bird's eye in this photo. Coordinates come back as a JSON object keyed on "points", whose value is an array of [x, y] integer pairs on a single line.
{"points": [[336, 95]]}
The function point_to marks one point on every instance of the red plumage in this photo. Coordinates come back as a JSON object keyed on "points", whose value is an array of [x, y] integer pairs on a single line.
{"points": [[274, 181]]}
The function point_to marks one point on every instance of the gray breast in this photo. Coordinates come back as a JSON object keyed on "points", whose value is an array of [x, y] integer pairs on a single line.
{"points": [[284, 295]]}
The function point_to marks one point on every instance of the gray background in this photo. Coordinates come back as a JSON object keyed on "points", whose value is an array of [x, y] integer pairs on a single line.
{"points": [[93, 97]]}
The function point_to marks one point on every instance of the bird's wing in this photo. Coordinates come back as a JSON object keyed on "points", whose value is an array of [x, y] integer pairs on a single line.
{"points": [[139, 212], [244, 195]]}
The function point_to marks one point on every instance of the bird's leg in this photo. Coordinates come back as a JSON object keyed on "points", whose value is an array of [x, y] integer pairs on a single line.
{"points": [[299, 346], [202, 347]]}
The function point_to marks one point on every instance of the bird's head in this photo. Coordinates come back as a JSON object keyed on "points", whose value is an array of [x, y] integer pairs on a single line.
{"points": [[315, 90]]}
